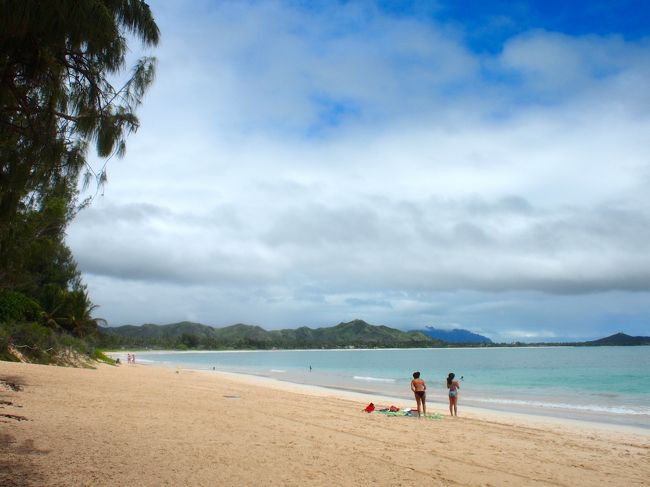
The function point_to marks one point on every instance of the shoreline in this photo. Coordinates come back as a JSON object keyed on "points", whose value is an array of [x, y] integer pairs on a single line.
{"points": [[547, 413], [523, 418], [156, 426]]}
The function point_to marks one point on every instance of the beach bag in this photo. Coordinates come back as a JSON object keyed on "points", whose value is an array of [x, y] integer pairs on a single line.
{"points": [[369, 408]]}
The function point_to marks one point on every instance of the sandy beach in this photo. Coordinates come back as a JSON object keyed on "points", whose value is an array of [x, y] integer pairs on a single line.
{"points": [[146, 426]]}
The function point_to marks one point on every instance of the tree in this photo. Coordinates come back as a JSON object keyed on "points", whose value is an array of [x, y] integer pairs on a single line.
{"points": [[59, 65], [58, 60]]}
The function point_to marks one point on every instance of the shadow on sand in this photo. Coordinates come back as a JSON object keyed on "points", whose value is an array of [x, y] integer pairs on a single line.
{"points": [[17, 468]]}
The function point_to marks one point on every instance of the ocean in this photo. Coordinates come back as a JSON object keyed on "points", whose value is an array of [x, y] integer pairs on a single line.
{"points": [[602, 384]]}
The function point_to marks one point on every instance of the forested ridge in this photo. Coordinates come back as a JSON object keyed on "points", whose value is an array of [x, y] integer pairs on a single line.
{"points": [[357, 333], [57, 103], [186, 335]]}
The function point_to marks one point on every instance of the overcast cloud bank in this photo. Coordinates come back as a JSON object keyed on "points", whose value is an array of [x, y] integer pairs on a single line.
{"points": [[305, 167]]}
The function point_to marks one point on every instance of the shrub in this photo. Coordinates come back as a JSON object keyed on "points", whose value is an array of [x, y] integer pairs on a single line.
{"points": [[15, 306], [39, 343], [5, 339], [33, 340], [101, 357]]}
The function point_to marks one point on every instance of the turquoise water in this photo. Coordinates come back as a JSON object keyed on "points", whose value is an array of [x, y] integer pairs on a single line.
{"points": [[607, 384]]}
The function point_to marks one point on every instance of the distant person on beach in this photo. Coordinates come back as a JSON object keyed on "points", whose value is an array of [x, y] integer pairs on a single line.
{"points": [[133, 359], [419, 388], [453, 387], [128, 358]]}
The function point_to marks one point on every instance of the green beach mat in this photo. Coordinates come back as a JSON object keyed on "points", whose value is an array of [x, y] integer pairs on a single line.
{"points": [[408, 414]]}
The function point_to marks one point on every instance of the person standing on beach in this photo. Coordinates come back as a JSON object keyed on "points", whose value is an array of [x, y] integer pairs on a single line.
{"points": [[419, 388], [453, 387]]}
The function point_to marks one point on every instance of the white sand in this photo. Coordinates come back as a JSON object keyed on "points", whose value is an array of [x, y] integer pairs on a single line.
{"points": [[147, 426]]}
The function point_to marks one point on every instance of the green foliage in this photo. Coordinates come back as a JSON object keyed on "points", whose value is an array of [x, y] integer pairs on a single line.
{"points": [[31, 339], [58, 63], [190, 341], [183, 336], [41, 344], [69, 310], [57, 60], [15, 306], [100, 356], [5, 340]]}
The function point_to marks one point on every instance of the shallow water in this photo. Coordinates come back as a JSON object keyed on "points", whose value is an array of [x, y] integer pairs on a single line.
{"points": [[605, 384]]}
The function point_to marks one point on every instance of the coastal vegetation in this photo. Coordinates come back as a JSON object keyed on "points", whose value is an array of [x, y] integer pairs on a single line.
{"points": [[353, 334], [58, 60], [619, 339], [195, 336]]}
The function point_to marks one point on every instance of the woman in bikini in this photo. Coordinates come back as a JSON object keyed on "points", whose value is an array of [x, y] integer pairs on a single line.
{"points": [[419, 388], [453, 387]]}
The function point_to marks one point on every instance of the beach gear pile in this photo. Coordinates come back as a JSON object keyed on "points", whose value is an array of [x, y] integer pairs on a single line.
{"points": [[395, 411]]}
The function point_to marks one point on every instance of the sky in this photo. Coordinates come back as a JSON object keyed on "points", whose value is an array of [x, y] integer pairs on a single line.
{"points": [[459, 164]]}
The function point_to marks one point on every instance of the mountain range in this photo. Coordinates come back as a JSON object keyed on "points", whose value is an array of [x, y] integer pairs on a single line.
{"points": [[353, 334], [457, 335], [356, 333]]}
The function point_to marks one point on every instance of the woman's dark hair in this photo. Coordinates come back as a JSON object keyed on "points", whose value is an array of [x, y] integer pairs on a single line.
{"points": [[450, 377], [416, 375]]}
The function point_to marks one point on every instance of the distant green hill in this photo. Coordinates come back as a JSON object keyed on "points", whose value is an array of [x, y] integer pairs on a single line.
{"points": [[620, 339], [357, 333]]}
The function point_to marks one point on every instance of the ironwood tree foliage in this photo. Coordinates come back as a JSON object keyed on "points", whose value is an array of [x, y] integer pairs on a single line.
{"points": [[60, 62]]}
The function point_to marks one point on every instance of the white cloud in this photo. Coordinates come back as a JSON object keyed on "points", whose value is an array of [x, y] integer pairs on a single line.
{"points": [[300, 167], [557, 65]]}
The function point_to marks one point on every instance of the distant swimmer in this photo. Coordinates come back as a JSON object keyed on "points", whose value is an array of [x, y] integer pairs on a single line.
{"points": [[419, 388], [453, 387], [310, 368]]}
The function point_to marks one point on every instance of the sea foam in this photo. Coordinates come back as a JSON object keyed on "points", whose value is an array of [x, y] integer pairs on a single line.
{"points": [[373, 379], [576, 407]]}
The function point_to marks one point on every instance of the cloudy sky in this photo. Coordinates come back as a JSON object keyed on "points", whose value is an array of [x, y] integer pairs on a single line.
{"points": [[473, 164]]}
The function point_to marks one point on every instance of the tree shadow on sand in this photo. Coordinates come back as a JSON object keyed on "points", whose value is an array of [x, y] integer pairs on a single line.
{"points": [[17, 468]]}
